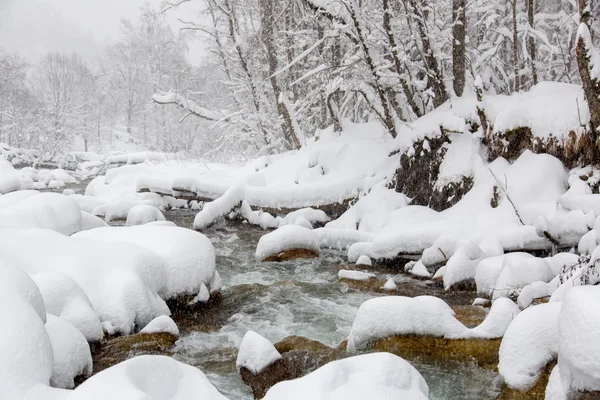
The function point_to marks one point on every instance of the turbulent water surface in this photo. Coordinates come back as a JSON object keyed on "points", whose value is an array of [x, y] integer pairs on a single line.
{"points": [[302, 297]]}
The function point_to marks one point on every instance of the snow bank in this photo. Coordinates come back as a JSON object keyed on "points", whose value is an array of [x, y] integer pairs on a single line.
{"points": [[9, 181], [188, 257], [376, 376], [161, 324], [287, 237], [256, 353], [64, 298], [26, 352], [72, 356], [148, 377], [530, 342], [423, 315], [142, 214]]}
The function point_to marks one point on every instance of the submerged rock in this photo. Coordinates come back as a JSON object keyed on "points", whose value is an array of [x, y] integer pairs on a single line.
{"points": [[292, 254]]}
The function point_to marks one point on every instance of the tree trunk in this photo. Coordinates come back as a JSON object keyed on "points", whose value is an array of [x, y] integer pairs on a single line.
{"points": [[591, 83], [515, 47], [459, 46], [531, 41]]}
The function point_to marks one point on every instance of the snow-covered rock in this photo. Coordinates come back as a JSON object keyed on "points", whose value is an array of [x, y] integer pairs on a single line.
{"points": [[162, 324], [530, 342], [390, 285], [64, 298], [376, 376], [220, 207], [423, 315], [148, 377], [256, 353], [72, 356], [355, 275], [288, 237], [142, 214], [364, 260], [188, 257]]}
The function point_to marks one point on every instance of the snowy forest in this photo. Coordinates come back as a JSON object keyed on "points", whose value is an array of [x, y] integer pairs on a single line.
{"points": [[300, 199]]}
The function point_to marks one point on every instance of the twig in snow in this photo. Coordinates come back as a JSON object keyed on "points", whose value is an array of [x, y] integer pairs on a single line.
{"points": [[505, 190]]}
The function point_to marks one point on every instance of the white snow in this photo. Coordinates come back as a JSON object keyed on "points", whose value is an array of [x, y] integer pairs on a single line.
{"points": [[64, 298], [530, 342], [143, 214], [256, 353], [390, 285], [9, 181], [148, 377], [423, 315], [288, 237], [355, 275], [72, 356], [220, 207], [161, 324], [363, 260], [374, 376]]}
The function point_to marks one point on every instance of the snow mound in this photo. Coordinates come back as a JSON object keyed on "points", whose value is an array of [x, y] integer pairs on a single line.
{"points": [[579, 348], [256, 353], [148, 377], [287, 237], [355, 275], [463, 263], [530, 342], [72, 356], [26, 352], [162, 324], [375, 376], [260, 218], [89, 221], [505, 276], [9, 180], [363, 260], [304, 215], [390, 285], [188, 256], [423, 315], [64, 298], [142, 214]]}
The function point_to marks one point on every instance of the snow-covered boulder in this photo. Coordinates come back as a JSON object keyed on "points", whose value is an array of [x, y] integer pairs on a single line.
{"points": [[364, 260], [142, 214], [376, 376], [306, 217], [462, 264], [423, 315], [188, 257], [259, 217], [26, 352], [72, 356], [288, 237], [148, 377], [355, 275], [256, 353], [390, 285], [530, 342], [64, 298], [89, 221], [162, 324]]}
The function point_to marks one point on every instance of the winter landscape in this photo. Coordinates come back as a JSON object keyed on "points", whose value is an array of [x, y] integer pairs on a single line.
{"points": [[299, 199]]}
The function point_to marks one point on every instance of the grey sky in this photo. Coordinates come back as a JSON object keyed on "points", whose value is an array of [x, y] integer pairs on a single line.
{"points": [[34, 27]]}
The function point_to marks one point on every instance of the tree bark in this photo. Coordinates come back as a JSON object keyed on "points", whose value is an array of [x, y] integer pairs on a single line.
{"points": [[515, 47], [459, 46], [531, 41]]}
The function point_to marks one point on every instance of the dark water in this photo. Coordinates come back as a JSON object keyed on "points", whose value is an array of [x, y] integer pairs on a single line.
{"points": [[302, 297]]}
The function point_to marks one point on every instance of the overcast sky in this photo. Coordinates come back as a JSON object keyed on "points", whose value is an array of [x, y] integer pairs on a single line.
{"points": [[35, 27]]}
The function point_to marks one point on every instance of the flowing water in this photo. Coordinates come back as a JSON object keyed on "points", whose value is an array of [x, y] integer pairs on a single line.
{"points": [[300, 297]]}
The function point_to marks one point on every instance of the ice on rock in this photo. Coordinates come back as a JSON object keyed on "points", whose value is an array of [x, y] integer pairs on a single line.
{"points": [[369, 376], [72, 356], [256, 353], [579, 347], [423, 315], [355, 275], [363, 260], [143, 214], [287, 237], [529, 344], [64, 298], [162, 324], [148, 377], [390, 285], [188, 257]]}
